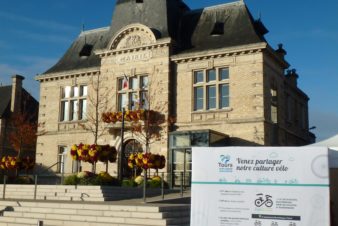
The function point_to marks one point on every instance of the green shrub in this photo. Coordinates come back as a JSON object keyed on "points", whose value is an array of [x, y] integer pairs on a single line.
{"points": [[154, 184], [128, 183], [20, 180], [71, 180], [91, 179]]}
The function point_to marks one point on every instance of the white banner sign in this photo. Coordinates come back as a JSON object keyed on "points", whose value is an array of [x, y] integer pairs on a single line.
{"points": [[261, 186]]}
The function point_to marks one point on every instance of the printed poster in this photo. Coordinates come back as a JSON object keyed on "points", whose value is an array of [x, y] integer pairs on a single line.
{"points": [[260, 186]]}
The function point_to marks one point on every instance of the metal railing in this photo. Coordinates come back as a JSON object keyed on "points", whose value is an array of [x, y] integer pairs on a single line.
{"points": [[178, 183]]}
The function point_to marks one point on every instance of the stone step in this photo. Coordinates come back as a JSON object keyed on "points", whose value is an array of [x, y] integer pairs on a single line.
{"points": [[76, 193], [69, 187], [72, 198], [89, 206], [69, 193], [66, 219], [51, 198], [22, 213], [10, 221], [87, 218], [98, 213]]}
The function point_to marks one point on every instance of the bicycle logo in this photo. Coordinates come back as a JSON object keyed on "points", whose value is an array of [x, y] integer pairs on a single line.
{"points": [[260, 201], [258, 223]]}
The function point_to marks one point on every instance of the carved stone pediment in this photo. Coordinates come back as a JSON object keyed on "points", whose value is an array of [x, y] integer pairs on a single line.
{"points": [[133, 36]]}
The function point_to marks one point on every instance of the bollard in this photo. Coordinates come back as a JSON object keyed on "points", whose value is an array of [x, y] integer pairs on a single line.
{"points": [[4, 188], [145, 186], [40, 223], [162, 186], [36, 185], [181, 184]]}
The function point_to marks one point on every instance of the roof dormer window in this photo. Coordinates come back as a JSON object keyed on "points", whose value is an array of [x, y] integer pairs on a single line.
{"points": [[86, 51], [218, 29]]}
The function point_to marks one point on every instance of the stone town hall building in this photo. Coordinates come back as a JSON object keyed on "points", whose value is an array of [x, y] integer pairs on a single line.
{"points": [[211, 69]]}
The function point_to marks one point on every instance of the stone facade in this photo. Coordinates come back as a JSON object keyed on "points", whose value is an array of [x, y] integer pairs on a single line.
{"points": [[253, 103]]}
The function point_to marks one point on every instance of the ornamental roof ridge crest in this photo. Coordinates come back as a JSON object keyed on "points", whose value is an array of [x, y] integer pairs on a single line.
{"points": [[113, 44], [94, 31]]}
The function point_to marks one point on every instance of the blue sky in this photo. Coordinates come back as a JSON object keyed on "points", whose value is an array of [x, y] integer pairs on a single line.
{"points": [[34, 35]]}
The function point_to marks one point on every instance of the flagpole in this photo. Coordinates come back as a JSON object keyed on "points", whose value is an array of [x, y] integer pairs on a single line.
{"points": [[122, 147]]}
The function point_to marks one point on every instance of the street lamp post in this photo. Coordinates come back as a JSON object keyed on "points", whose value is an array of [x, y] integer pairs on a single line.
{"points": [[122, 147]]}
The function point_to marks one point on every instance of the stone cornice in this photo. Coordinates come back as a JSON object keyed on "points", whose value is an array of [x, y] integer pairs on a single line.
{"points": [[68, 74], [221, 52]]}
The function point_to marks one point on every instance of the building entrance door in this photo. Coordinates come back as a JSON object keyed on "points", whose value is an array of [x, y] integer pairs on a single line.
{"points": [[181, 167], [131, 146]]}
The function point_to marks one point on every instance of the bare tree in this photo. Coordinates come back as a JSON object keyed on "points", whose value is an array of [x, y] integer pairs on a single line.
{"points": [[97, 103], [156, 119]]}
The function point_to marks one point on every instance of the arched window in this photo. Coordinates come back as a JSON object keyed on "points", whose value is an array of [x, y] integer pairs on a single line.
{"points": [[131, 146]]}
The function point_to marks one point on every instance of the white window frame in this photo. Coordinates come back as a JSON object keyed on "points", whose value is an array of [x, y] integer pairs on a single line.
{"points": [[69, 95], [139, 90], [205, 84]]}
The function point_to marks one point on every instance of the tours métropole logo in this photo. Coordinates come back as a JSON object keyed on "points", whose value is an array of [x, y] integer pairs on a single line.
{"points": [[224, 164]]}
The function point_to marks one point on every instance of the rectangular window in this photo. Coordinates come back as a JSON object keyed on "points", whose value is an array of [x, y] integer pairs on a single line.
{"points": [[133, 83], [123, 101], [64, 111], [274, 105], [120, 84], [211, 75], [133, 97], [224, 96], [76, 91], [198, 98], [223, 73], [133, 101], [211, 95], [83, 91], [74, 110], [211, 89], [198, 77], [274, 114], [83, 109], [73, 103], [62, 150], [66, 91], [144, 82], [144, 100]]}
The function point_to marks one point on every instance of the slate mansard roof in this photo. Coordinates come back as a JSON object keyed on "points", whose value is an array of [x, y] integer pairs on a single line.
{"points": [[5, 99], [72, 59], [31, 105], [220, 26]]}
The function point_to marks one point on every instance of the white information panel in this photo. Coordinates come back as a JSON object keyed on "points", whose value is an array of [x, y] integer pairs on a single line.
{"points": [[260, 186]]}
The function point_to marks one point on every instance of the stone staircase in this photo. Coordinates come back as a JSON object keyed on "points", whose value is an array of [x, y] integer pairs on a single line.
{"points": [[76, 193], [29, 213]]}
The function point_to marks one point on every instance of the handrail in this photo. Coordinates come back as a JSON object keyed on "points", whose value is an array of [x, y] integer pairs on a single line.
{"points": [[42, 171]]}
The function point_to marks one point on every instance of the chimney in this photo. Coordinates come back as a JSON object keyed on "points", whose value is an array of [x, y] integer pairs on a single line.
{"points": [[16, 93], [280, 51], [292, 76]]}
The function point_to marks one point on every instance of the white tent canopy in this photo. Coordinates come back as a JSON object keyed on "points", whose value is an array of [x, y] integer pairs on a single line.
{"points": [[332, 144]]}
